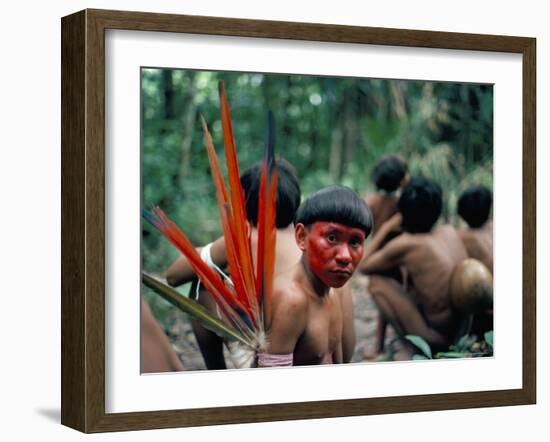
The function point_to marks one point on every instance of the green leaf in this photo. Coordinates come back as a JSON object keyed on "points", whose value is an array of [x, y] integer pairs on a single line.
{"points": [[463, 343], [194, 309], [489, 338], [421, 344], [420, 358]]}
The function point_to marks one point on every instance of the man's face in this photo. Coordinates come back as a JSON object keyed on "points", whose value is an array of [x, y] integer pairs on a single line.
{"points": [[332, 250]]}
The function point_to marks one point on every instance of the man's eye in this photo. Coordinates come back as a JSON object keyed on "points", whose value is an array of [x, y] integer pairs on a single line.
{"points": [[355, 243], [331, 238]]}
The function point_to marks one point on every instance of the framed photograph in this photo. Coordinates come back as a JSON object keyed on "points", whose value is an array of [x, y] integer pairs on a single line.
{"points": [[456, 109]]}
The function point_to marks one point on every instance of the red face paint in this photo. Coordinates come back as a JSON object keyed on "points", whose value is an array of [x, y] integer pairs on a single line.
{"points": [[333, 251]]}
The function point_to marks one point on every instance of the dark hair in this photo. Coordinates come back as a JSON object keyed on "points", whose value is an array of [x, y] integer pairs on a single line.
{"points": [[288, 192], [474, 205], [388, 172], [420, 205], [337, 204]]}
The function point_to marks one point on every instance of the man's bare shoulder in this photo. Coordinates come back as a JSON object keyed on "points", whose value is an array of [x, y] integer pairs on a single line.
{"points": [[374, 201], [466, 235], [288, 292], [446, 230], [403, 241]]}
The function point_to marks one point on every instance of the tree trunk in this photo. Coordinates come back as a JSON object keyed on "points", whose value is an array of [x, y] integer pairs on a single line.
{"points": [[188, 120]]}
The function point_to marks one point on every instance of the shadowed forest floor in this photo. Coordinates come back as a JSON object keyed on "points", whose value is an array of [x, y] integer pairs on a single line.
{"points": [[365, 317]]}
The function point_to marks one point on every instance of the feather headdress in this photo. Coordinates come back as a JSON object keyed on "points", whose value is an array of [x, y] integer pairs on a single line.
{"points": [[244, 302]]}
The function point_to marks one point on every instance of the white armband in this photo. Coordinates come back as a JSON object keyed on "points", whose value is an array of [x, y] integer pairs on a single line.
{"points": [[206, 257]]}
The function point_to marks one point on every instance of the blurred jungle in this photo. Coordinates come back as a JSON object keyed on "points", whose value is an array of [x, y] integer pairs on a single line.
{"points": [[332, 129]]}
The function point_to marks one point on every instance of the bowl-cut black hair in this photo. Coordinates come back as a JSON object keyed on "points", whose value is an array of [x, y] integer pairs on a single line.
{"points": [[474, 205], [420, 205], [388, 172], [335, 204]]}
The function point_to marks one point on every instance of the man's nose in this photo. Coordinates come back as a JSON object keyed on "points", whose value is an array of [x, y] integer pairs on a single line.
{"points": [[344, 255]]}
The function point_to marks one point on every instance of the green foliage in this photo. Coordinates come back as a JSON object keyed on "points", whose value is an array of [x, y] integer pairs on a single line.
{"points": [[488, 336], [421, 345], [466, 347], [332, 130]]}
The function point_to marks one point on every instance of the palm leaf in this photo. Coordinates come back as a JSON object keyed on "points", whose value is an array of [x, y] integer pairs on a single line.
{"points": [[194, 309]]}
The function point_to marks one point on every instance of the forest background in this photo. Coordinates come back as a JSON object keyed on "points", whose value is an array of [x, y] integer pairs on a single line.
{"points": [[333, 130]]}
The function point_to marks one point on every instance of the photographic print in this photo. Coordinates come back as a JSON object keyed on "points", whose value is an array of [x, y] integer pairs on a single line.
{"points": [[304, 220], [312, 198]]}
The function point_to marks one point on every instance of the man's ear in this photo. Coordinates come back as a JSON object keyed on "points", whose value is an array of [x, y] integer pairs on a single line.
{"points": [[300, 233]]}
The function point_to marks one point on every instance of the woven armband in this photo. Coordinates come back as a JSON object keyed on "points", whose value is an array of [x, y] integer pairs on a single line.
{"points": [[271, 360]]}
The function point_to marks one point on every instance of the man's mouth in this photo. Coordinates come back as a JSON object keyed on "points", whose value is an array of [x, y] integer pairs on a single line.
{"points": [[342, 272]]}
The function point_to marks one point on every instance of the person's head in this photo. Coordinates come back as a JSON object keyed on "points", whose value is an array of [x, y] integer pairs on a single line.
{"points": [[331, 227], [288, 192], [389, 173], [420, 205], [474, 205]]}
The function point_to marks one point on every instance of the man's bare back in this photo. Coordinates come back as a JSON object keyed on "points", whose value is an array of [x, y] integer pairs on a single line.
{"points": [[383, 207], [479, 243], [430, 260]]}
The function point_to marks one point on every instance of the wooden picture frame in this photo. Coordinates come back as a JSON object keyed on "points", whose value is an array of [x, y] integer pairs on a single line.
{"points": [[83, 219]]}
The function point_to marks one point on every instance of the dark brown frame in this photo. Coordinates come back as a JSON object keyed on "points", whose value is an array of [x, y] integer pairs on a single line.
{"points": [[83, 217]]}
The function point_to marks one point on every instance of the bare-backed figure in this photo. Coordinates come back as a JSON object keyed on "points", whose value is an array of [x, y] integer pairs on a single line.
{"points": [[474, 207], [429, 256], [306, 324], [390, 176], [286, 255]]}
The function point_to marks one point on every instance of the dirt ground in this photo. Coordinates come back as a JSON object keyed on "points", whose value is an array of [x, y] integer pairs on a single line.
{"points": [[365, 318]]}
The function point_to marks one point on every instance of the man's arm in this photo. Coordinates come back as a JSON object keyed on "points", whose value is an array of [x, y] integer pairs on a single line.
{"points": [[288, 321], [391, 225], [181, 271], [348, 329], [390, 256]]}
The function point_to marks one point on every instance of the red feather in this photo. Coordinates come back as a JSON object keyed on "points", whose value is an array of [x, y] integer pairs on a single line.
{"points": [[228, 225], [267, 229], [211, 280], [238, 210], [249, 295]]}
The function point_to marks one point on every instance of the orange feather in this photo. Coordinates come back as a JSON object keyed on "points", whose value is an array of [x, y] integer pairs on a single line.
{"points": [[267, 229], [238, 210]]}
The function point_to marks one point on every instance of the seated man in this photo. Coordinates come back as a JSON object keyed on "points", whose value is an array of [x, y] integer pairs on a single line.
{"points": [[286, 255], [429, 256], [474, 206], [306, 322], [390, 176]]}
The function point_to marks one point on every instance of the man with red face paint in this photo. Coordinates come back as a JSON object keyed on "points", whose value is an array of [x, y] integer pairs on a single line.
{"points": [[306, 322]]}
